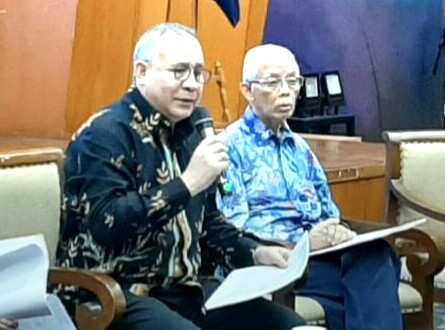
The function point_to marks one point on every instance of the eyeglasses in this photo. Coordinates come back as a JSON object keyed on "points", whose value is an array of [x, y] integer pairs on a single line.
{"points": [[181, 72], [274, 83]]}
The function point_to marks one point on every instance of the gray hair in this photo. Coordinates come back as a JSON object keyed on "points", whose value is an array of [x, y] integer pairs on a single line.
{"points": [[146, 46], [259, 55]]}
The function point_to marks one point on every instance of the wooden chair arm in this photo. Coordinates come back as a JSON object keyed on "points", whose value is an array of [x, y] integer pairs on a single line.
{"points": [[108, 292], [417, 204], [428, 239]]}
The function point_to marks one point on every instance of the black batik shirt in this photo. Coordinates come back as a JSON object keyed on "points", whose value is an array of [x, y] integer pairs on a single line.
{"points": [[128, 215]]}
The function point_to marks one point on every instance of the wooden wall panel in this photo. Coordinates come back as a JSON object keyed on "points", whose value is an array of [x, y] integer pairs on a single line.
{"points": [[361, 199], [148, 14], [102, 55], [35, 54], [226, 44], [255, 30], [220, 42], [62, 61], [182, 11]]}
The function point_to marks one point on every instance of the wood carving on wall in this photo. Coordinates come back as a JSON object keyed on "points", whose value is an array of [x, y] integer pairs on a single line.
{"points": [[221, 82]]}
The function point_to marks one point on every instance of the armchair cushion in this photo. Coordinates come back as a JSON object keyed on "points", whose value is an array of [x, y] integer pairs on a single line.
{"points": [[30, 202], [312, 312], [439, 279], [422, 172], [410, 299]]}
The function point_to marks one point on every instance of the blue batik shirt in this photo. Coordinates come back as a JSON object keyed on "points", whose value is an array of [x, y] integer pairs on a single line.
{"points": [[279, 187]]}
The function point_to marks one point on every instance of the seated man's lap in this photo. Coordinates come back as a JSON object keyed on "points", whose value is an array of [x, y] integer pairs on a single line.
{"points": [[258, 314], [378, 253], [327, 272], [151, 313]]}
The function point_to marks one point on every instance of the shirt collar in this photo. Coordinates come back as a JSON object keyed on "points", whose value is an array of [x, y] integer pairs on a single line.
{"points": [[257, 127], [158, 122]]}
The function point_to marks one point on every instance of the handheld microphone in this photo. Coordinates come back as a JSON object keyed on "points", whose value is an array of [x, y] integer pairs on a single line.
{"points": [[204, 124]]}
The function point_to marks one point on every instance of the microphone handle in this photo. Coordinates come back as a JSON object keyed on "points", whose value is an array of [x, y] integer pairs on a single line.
{"points": [[224, 187]]}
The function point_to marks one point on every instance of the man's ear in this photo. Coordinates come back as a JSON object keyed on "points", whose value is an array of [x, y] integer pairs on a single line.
{"points": [[246, 90], [140, 72]]}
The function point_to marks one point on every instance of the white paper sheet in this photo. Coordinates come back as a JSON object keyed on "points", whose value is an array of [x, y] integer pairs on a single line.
{"points": [[256, 281], [371, 236], [24, 265]]}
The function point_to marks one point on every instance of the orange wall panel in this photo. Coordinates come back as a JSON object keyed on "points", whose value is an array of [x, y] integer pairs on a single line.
{"points": [[102, 55], [183, 11], [35, 53], [62, 61], [148, 14], [226, 44]]}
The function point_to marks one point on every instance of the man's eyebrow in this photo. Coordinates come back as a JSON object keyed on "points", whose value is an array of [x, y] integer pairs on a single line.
{"points": [[277, 75], [187, 64], [180, 65]]}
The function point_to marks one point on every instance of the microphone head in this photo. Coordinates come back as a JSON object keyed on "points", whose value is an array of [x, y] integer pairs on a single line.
{"points": [[200, 112], [201, 117]]}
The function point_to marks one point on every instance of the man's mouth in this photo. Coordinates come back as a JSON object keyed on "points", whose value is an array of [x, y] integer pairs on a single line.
{"points": [[185, 100], [286, 107]]}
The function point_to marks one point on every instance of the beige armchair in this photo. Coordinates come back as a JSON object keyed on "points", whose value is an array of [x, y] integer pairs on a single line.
{"points": [[416, 180], [422, 249], [30, 199], [417, 316]]}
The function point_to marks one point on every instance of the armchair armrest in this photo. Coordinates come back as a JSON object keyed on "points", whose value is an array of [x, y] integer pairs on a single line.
{"points": [[428, 239], [108, 292], [417, 204]]}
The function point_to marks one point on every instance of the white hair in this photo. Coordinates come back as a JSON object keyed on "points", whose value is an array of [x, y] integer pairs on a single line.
{"points": [[263, 54], [145, 49]]}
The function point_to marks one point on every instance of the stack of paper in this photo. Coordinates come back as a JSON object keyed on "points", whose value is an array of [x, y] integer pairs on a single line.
{"points": [[24, 265], [374, 234], [253, 282], [256, 281]]}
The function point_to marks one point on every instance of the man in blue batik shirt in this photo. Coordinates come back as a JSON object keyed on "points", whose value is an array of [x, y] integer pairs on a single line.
{"points": [[280, 190]]}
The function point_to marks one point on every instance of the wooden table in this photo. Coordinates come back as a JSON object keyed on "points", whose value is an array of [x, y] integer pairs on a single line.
{"points": [[15, 144], [355, 170]]}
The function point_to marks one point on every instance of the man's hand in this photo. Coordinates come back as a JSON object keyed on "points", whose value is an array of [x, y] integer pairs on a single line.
{"points": [[329, 233], [208, 161], [6, 324], [271, 256]]}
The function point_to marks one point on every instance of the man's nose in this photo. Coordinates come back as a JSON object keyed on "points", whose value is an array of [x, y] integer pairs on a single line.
{"points": [[191, 82], [284, 88]]}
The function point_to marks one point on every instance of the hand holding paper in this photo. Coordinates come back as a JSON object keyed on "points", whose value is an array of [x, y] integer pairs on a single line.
{"points": [[329, 233], [253, 282], [374, 234], [271, 256], [6, 324]]}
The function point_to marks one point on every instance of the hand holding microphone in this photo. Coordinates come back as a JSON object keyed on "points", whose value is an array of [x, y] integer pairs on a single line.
{"points": [[204, 125], [210, 159]]}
